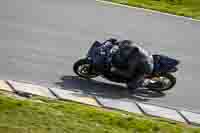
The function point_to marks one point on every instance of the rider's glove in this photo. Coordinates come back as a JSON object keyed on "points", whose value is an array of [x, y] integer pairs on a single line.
{"points": [[114, 49]]}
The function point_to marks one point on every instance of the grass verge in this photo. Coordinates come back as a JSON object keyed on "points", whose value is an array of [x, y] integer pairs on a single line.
{"points": [[27, 116], [188, 8]]}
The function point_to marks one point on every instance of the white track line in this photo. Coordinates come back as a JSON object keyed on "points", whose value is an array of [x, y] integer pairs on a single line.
{"points": [[148, 10]]}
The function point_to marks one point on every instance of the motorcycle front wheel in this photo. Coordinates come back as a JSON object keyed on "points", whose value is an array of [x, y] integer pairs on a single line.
{"points": [[83, 69], [161, 82]]}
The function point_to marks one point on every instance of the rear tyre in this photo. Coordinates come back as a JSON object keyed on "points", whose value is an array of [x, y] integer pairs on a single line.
{"points": [[160, 84], [83, 69]]}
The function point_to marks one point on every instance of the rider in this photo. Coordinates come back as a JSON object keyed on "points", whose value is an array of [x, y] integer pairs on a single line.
{"points": [[128, 60], [132, 62]]}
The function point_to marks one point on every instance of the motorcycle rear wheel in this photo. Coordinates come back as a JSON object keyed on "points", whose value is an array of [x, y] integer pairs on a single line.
{"points": [[159, 84]]}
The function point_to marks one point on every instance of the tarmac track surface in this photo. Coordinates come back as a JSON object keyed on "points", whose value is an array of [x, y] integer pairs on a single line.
{"points": [[41, 39]]}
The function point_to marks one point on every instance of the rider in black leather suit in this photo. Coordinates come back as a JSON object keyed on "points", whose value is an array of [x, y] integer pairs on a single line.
{"points": [[128, 60], [132, 62]]}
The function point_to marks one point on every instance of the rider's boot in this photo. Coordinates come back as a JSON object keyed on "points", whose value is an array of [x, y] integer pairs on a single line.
{"points": [[135, 83]]}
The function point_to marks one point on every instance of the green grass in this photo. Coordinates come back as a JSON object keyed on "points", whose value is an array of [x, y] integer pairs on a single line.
{"points": [[17, 116], [189, 8]]}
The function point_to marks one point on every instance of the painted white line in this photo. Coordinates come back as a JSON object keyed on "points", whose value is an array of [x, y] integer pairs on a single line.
{"points": [[148, 10], [134, 107], [31, 89], [193, 118], [74, 96], [119, 104], [4, 86], [161, 112]]}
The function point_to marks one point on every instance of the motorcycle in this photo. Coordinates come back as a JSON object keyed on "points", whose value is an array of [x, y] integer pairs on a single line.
{"points": [[160, 80]]}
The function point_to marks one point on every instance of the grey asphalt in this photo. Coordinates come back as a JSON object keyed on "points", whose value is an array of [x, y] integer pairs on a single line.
{"points": [[41, 39]]}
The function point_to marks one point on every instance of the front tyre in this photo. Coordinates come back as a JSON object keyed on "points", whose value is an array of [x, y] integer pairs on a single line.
{"points": [[83, 69], [162, 82]]}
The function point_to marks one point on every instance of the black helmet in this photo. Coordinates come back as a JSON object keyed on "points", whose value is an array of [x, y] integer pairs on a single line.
{"points": [[125, 43], [112, 40]]}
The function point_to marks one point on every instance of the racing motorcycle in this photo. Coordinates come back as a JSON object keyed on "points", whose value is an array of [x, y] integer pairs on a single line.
{"points": [[160, 80]]}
